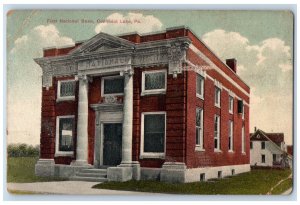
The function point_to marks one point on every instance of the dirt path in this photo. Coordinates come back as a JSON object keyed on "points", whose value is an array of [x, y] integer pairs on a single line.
{"points": [[270, 192]]}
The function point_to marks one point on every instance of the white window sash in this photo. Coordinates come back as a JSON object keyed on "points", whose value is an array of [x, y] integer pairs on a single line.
{"points": [[217, 133], [64, 98], [200, 146], [57, 151], [151, 154], [102, 86], [201, 94], [153, 91]]}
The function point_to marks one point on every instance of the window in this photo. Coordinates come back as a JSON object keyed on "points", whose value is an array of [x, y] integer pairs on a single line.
{"points": [[243, 113], [219, 174], [64, 135], [231, 104], [199, 128], [230, 136], [202, 177], [153, 135], [217, 133], [263, 145], [66, 90], [251, 145], [112, 85], [233, 172], [154, 82], [240, 106], [274, 158], [217, 96], [243, 140], [263, 158], [200, 86]]}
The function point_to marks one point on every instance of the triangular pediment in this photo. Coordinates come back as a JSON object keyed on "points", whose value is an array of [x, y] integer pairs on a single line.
{"points": [[258, 135], [103, 42]]}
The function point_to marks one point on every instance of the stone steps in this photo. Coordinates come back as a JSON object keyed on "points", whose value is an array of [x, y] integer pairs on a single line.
{"points": [[92, 175]]}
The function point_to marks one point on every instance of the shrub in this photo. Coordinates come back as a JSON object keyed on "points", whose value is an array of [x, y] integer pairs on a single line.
{"points": [[23, 150]]}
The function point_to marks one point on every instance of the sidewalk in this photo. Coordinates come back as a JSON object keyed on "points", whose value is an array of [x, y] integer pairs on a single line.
{"points": [[68, 187]]}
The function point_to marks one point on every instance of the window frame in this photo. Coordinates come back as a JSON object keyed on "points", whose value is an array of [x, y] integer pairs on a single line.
{"points": [[219, 96], [218, 149], [251, 145], [102, 85], [263, 158], [153, 91], [65, 98], [160, 155], [261, 145], [57, 151], [201, 96], [231, 104], [230, 136], [243, 147], [200, 147]]}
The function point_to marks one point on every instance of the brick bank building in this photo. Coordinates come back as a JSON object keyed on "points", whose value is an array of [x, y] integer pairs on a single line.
{"points": [[155, 106]]}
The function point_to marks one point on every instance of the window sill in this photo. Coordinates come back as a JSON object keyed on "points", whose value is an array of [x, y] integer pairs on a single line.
{"points": [[231, 151], [60, 99], [230, 112], [113, 94], [217, 150], [218, 106], [199, 149], [153, 93], [152, 156], [200, 96], [64, 154], [243, 153]]}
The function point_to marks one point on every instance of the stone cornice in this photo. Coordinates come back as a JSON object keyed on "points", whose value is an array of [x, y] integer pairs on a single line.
{"points": [[170, 52]]}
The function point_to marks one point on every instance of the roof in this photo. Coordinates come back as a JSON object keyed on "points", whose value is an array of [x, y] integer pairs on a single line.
{"points": [[289, 149], [277, 138]]}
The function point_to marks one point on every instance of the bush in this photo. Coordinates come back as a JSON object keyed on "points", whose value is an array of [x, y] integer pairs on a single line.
{"points": [[23, 150]]}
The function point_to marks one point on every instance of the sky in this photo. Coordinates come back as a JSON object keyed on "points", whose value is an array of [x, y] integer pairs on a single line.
{"points": [[261, 41]]}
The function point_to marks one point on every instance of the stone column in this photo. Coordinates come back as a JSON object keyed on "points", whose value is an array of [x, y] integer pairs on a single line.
{"points": [[128, 169], [82, 123], [127, 117]]}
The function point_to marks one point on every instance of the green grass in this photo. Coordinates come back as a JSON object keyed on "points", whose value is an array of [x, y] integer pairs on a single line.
{"points": [[283, 186], [254, 182], [21, 170]]}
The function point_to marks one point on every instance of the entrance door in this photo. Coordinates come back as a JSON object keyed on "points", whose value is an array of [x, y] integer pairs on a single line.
{"points": [[112, 144]]}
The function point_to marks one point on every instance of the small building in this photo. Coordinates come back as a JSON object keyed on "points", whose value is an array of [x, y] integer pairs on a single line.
{"points": [[157, 106], [268, 150]]}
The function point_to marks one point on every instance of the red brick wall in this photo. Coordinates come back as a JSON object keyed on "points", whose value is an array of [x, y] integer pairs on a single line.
{"points": [[209, 157], [50, 110]]}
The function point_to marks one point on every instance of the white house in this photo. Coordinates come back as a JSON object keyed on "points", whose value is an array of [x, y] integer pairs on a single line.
{"points": [[268, 150]]}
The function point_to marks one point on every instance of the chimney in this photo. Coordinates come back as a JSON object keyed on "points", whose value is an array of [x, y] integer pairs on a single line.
{"points": [[231, 64], [254, 129]]}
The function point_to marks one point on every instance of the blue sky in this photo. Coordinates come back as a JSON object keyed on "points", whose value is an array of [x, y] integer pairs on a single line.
{"points": [[261, 41]]}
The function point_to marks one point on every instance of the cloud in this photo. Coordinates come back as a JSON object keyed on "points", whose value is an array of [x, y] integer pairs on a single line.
{"points": [[267, 68], [117, 23], [24, 82]]}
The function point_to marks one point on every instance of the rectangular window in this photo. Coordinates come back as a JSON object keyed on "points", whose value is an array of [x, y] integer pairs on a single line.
{"points": [[199, 128], [263, 158], [112, 85], [154, 82], [153, 134], [230, 136], [231, 99], [219, 174], [202, 177], [243, 113], [233, 172], [66, 90], [65, 135], [243, 140], [263, 145], [217, 96], [217, 133], [274, 158], [200, 86], [251, 145]]}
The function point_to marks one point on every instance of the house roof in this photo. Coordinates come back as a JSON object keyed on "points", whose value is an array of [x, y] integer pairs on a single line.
{"points": [[277, 138]]}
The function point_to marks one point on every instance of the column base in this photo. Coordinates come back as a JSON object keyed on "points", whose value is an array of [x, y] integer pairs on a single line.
{"points": [[80, 163], [173, 172], [124, 172], [45, 167]]}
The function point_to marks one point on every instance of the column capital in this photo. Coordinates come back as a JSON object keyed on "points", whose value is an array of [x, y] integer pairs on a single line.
{"points": [[128, 72], [83, 77]]}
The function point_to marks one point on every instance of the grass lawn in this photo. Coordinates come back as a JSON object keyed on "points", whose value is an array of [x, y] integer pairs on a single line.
{"points": [[283, 186], [21, 170], [254, 182]]}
